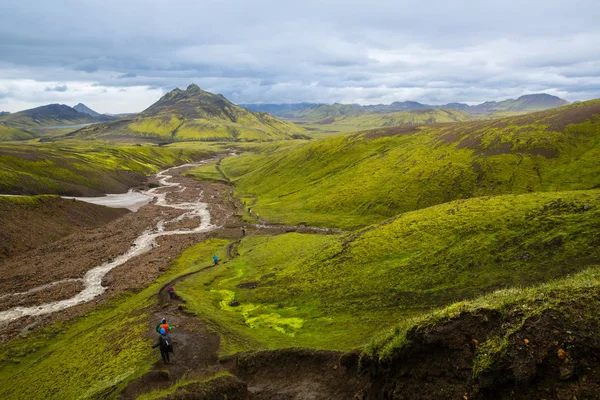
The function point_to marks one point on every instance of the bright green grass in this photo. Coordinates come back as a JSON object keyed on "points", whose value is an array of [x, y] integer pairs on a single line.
{"points": [[207, 171], [98, 353], [74, 167], [30, 201], [156, 127], [336, 291], [279, 321], [356, 180]]}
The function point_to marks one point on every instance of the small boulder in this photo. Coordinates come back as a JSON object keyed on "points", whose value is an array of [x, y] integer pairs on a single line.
{"points": [[566, 372], [107, 280], [234, 303]]}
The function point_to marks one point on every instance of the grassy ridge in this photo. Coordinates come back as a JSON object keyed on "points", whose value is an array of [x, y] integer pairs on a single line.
{"points": [[96, 355], [357, 180], [8, 133], [361, 122], [83, 168], [337, 291], [206, 171]]}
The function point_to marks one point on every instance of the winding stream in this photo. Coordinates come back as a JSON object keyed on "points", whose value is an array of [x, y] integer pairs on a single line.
{"points": [[92, 280]]}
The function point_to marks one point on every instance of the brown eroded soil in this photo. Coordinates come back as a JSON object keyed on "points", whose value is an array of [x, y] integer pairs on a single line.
{"points": [[26, 226], [72, 256]]}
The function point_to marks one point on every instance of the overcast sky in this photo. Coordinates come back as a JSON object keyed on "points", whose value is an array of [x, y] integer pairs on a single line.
{"points": [[122, 55]]}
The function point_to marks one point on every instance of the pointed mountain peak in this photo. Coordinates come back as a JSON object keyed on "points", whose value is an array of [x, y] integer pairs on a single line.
{"points": [[193, 88], [82, 108], [195, 103]]}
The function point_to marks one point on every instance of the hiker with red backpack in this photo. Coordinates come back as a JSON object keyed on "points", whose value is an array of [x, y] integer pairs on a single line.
{"points": [[163, 324]]}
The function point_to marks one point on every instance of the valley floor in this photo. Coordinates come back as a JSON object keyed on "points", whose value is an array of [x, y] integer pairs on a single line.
{"points": [[101, 348], [28, 280]]}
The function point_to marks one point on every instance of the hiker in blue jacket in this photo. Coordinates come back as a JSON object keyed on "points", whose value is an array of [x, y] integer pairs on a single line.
{"points": [[215, 259]]}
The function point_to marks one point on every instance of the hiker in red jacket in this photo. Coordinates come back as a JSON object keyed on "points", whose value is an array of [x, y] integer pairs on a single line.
{"points": [[163, 324]]}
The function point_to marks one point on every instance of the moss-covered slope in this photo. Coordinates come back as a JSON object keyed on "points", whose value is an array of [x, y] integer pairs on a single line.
{"points": [[9, 133], [337, 291], [83, 168], [360, 179]]}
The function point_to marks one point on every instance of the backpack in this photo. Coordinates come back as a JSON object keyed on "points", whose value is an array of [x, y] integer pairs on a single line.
{"points": [[166, 343]]}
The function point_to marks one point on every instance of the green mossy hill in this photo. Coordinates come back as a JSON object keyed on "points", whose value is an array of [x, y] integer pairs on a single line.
{"points": [[84, 168], [361, 122], [338, 291], [357, 180], [97, 354], [193, 114], [9, 133], [31, 221]]}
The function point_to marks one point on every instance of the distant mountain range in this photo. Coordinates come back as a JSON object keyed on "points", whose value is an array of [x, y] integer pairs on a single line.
{"points": [[316, 111], [3, 113], [52, 115], [194, 114], [28, 124]]}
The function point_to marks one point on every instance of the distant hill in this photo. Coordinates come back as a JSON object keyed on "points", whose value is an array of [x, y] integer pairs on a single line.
{"points": [[50, 115], [315, 112], [29, 124], [334, 118], [82, 108], [3, 113], [364, 121], [86, 110], [527, 103], [194, 114], [281, 110]]}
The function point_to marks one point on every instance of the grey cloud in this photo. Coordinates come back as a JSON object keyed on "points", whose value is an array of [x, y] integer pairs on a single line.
{"points": [[60, 88], [317, 50]]}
